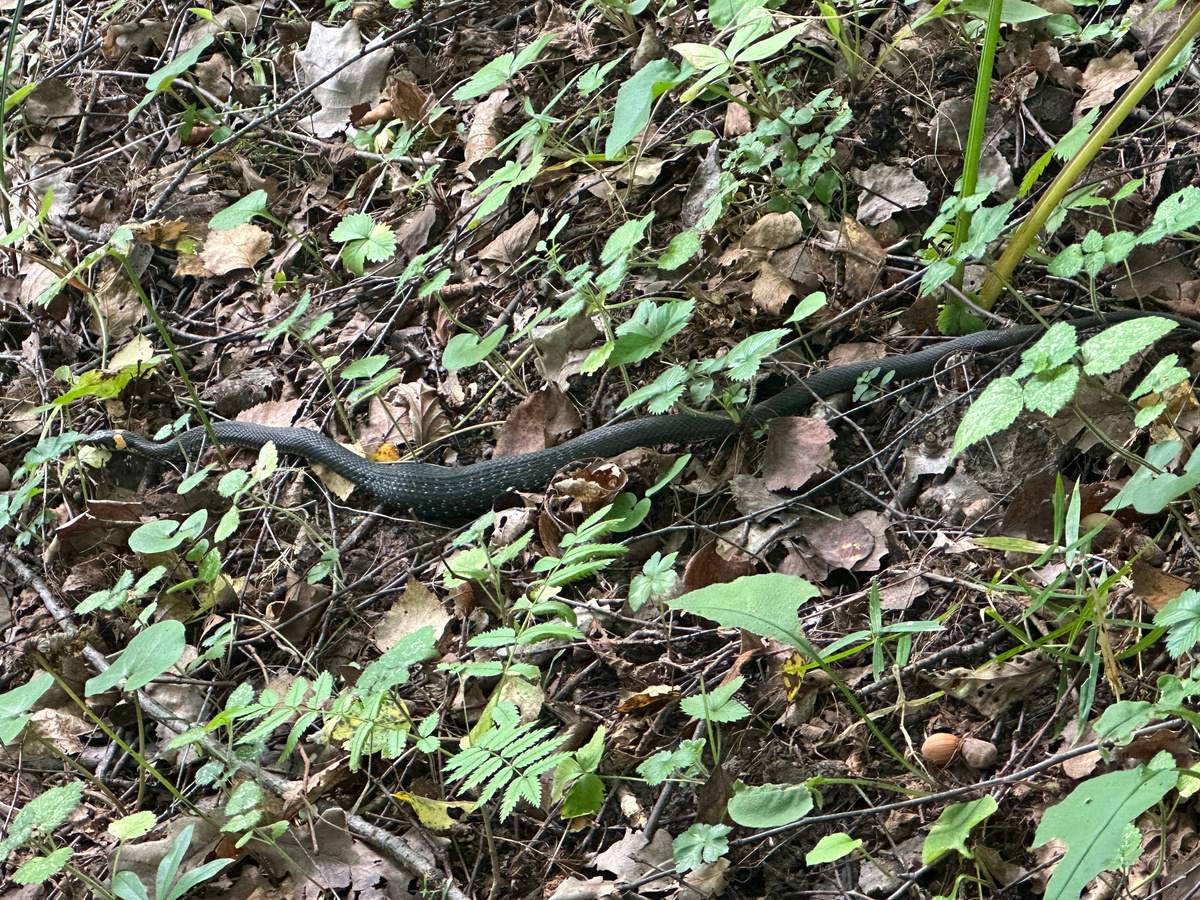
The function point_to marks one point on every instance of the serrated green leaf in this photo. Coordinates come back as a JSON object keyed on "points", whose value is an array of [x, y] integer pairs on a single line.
{"points": [[1115, 346], [1050, 391], [994, 410]]}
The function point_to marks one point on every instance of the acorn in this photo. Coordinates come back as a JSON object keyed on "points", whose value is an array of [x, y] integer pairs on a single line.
{"points": [[940, 748], [978, 754]]}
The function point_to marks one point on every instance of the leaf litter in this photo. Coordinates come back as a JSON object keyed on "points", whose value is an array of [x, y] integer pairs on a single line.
{"points": [[454, 195]]}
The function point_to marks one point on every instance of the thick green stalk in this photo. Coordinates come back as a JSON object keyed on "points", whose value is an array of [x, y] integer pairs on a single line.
{"points": [[979, 109], [1058, 189]]}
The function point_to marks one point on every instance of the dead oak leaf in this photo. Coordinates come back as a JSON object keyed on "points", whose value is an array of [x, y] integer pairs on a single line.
{"points": [[1102, 78], [238, 248], [539, 421], [797, 449]]}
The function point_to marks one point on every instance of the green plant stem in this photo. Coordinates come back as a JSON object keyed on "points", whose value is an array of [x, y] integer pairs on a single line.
{"points": [[141, 761], [974, 149], [1015, 251]]}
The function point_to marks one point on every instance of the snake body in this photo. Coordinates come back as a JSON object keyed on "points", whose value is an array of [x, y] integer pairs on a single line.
{"points": [[449, 494]]}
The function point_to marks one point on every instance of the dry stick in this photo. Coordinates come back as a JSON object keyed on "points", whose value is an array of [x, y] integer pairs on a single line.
{"points": [[389, 843]]}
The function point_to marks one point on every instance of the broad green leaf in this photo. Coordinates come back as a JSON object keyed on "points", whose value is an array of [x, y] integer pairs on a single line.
{"points": [[766, 605], [466, 349], [147, 656], [806, 307], [159, 536], [1178, 212], [241, 212], [683, 247], [162, 78], [38, 869], [1149, 493], [769, 805], [953, 827], [1091, 822], [623, 241], [584, 798], [132, 826], [650, 327], [703, 56], [700, 844], [767, 47], [718, 704], [831, 848], [365, 367], [1050, 391], [744, 360], [1115, 346], [14, 703], [1121, 720], [1054, 348], [993, 411], [128, 886], [1181, 618], [1013, 12], [44, 812], [635, 99]]}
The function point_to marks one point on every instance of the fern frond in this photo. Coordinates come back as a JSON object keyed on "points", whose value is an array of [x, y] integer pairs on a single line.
{"points": [[508, 757]]}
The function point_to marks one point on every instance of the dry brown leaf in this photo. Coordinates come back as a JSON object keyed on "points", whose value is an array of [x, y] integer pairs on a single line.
{"points": [[774, 231], [709, 566], [886, 191], [510, 247], [541, 420], [1156, 587], [1102, 78], [772, 290], [238, 248], [797, 449], [481, 135], [412, 611]]}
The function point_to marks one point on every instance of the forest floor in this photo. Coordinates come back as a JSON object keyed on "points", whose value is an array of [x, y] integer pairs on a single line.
{"points": [[851, 657]]}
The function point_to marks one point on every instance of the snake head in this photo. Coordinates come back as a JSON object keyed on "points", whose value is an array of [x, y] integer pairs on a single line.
{"points": [[111, 440]]}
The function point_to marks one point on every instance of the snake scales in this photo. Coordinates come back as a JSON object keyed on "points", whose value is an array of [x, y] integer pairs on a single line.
{"points": [[447, 494]]}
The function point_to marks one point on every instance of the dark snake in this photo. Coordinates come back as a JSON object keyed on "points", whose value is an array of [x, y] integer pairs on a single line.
{"points": [[449, 494]]}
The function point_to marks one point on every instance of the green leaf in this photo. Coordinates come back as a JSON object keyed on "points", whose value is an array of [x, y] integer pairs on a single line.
{"points": [[700, 844], [769, 805], [744, 360], [1179, 212], [241, 212], [363, 239], [766, 605], [584, 798], [466, 349], [1115, 346], [1091, 822], [831, 848], [161, 79], [132, 826], [364, 368], [1181, 618], [993, 411], [656, 579], [635, 98], [1054, 348], [683, 247], [1121, 720], [662, 393], [39, 868], [14, 703], [1013, 12], [807, 307], [1050, 391], [44, 812], [664, 764], [159, 536], [718, 704], [650, 327], [953, 827], [1149, 493], [128, 886], [147, 656]]}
